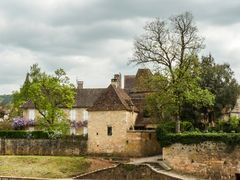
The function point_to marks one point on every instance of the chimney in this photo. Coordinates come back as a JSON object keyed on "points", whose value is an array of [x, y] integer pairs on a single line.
{"points": [[114, 82], [117, 80], [79, 84]]}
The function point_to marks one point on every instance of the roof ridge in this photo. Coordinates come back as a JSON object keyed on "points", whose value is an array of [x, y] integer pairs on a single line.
{"points": [[119, 96]]}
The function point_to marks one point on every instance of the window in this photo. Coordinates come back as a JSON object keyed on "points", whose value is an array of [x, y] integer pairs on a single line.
{"points": [[31, 114], [73, 115], [109, 130], [85, 115], [85, 131]]}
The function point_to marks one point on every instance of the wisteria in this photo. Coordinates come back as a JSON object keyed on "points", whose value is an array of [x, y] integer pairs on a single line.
{"points": [[21, 123], [78, 124]]}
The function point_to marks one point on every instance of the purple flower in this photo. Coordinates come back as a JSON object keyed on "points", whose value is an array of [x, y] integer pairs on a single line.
{"points": [[19, 123], [30, 122]]}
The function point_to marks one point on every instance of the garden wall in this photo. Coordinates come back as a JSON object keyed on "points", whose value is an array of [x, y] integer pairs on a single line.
{"points": [[142, 143], [210, 160], [54, 147]]}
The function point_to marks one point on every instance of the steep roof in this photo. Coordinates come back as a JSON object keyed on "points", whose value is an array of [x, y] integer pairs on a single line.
{"points": [[135, 83], [28, 105], [84, 98], [129, 82], [113, 99]]}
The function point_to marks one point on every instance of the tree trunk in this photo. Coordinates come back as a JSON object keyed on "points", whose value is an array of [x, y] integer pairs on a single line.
{"points": [[178, 124]]}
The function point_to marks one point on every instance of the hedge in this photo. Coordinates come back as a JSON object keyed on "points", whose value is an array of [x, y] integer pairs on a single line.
{"points": [[20, 134], [198, 137]]}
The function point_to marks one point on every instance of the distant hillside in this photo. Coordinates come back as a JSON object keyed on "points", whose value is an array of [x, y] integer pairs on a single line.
{"points": [[5, 99]]}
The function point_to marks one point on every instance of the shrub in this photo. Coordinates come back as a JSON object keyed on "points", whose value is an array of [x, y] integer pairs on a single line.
{"points": [[232, 125], [170, 126], [24, 134], [186, 126], [196, 138], [21, 134]]}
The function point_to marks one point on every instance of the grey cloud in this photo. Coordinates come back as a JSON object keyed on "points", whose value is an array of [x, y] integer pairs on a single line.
{"points": [[92, 39]]}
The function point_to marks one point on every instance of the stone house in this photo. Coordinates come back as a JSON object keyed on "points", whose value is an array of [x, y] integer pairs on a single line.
{"points": [[116, 122], [111, 116], [78, 115]]}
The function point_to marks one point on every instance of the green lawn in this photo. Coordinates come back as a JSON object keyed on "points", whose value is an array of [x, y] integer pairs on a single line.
{"points": [[43, 166]]}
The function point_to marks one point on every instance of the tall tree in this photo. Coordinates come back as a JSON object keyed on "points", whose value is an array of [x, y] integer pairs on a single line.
{"points": [[170, 45], [219, 79], [49, 94]]}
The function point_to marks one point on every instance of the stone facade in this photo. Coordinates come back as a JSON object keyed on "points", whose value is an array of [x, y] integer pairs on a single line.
{"points": [[98, 139], [123, 141], [142, 143], [209, 160]]}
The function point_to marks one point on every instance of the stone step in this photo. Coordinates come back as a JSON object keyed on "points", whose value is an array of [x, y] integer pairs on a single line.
{"points": [[165, 166]]}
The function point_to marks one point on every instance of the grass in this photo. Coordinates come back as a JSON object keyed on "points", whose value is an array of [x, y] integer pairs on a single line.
{"points": [[43, 166]]}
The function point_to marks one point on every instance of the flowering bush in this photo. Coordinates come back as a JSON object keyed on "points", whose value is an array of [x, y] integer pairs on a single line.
{"points": [[78, 124], [30, 122], [21, 123]]}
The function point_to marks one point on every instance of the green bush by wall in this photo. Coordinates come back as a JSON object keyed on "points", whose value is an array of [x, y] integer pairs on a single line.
{"points": [[19, 134], [167, 139]]}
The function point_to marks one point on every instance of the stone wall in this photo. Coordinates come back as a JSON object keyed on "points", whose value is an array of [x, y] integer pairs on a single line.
{"points": [[98, 139], [210, 160], [129, 172], [60, 147], [142, 143]]}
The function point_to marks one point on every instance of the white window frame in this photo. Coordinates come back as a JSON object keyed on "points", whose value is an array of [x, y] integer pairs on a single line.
{"points": [[85, 131], [72, 115], [85, 115], [31, 114]]}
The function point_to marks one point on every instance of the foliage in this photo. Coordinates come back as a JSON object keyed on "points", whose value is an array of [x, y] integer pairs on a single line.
{"points": [[49, 94], [6, 125], [171, 46], [5, 100], [169, 126], [167, 139], [232, 125], [219, 79], [22, 134]]}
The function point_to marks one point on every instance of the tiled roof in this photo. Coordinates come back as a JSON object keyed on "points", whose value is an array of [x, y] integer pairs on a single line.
{"points": [[113, 99], [129, 82], [28, 105], [84, 98], [136, 83]]}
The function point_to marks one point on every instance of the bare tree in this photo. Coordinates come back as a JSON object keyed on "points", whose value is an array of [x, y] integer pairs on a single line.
{"points": [[167, 44]]}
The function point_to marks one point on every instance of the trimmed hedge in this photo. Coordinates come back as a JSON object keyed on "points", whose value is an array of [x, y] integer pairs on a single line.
{"points": [[167, 139], [20, 134]]}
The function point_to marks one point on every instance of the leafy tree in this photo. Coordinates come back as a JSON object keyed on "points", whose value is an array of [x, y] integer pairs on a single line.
{"points": [[219, 79], [171, 45], [49, 94]]}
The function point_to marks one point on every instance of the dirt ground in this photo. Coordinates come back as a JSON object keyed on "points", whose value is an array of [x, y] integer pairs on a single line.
{"points": [[99, 164]]}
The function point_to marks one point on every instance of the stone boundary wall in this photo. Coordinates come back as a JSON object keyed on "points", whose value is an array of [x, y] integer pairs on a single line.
{"points": [[142, 143], [209, 160], [119, 172], [57, 147]]}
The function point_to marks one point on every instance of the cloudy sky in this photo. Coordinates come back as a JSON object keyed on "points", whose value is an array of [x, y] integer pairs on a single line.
{"points": [[93, 39]]}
